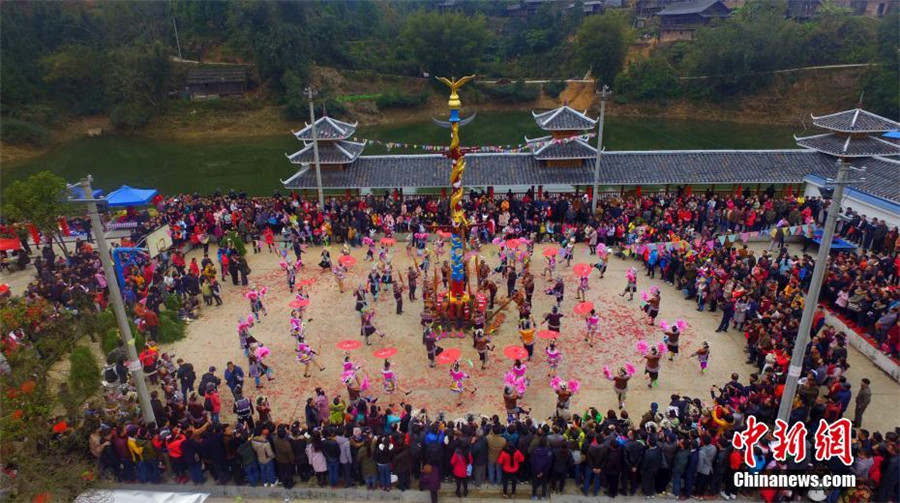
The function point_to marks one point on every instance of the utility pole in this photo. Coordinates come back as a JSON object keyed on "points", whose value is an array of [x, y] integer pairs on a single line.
{"points": [[177, 43], [311, 93], [115, 295], [812, 296], [604, 96]]}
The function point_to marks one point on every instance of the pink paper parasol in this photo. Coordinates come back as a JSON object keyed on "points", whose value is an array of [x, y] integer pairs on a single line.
{"points": [[582, 269], [388, 241], [444, 234], [449, 356], [584, 308], [513, 243], [385, 353], [296, 304], [515, 352], [548, 334], [349, 345], [550, 252], [307, 282], [347, 261]]}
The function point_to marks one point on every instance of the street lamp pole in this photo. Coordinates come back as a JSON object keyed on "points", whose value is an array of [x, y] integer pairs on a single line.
{"points": [[604, 96], [115, 296], [311, 93], [812, 296]]}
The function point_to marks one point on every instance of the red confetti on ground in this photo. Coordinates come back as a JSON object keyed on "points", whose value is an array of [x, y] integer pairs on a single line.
{"points": [[449, 356], [385, 353], [349, 345], [515, 352], [584, 308]]}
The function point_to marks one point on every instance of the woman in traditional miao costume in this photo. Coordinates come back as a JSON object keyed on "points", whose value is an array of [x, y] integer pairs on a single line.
{"points": [[652, 305], [620, 382], [290, 274], [458, 382], [652, 359], [631, 286], [340, 272], [593, 327], [325, 263], [306, 355], [390, 382], [702, 355], [518, 371], [367, 328], [583, 287], [554, 356], [256, 304], [244, 336], [550, 268], [439, 246]]}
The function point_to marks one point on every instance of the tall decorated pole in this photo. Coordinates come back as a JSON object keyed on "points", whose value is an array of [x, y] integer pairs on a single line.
{"points": [[457, 292]]}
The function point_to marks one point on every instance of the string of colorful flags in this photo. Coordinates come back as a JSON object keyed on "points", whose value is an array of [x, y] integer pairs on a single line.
{"points": [[698, 244], [480, 149]]}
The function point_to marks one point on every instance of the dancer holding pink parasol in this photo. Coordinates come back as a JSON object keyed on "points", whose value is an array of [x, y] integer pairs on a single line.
{"points": [[564, 391]]}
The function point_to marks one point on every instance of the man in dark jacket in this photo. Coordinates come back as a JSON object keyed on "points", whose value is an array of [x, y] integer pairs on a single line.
{"points": [[633, 453], [209, 377], [690, 471], [612, 468], [593, 466], [186, 377], [651, 462], [212, 451], [541, 463], [284, 456]]}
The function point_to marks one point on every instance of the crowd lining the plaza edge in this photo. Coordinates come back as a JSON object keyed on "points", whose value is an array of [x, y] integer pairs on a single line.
{"points": [[680, 447]]}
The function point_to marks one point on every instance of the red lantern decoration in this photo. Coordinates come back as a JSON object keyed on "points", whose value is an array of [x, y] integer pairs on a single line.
{"points": [[540, 191], [491, 191], [444, 192], [638, 191]]}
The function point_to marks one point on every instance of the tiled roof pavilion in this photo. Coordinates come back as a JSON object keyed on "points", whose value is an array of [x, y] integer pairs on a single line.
{"points": [[663, 167]]}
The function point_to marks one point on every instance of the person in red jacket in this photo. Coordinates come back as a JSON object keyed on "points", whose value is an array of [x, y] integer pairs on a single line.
{"points": [[213, 403], [509, 460], [460, 462]]}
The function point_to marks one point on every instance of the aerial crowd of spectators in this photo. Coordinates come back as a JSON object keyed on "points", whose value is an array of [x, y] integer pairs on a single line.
{"points": [[682, 448]]}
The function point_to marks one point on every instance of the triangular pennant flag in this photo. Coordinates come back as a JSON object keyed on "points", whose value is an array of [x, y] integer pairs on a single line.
{"points": [[745, 236], [721, 240], [799, 230], [711, 244]]}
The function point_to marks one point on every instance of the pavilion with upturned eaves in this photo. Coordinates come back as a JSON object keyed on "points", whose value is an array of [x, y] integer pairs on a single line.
{"points": [[565, 145], [335, 150], [564, 160]]}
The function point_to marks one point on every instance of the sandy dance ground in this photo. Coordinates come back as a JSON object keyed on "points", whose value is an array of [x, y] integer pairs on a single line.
{"points": [[213, 340]]}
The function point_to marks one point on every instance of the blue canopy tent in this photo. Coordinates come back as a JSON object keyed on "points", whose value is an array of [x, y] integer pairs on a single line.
{"points": [[130, 196]]}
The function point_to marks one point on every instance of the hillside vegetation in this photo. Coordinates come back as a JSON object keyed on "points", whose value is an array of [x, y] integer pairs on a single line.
{"points": [[81, 63]]}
